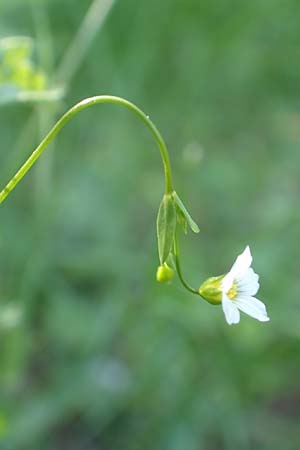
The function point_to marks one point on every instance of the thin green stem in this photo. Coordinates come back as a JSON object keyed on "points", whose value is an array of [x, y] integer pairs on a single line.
{"points": [[72, 112], [178, 267]]}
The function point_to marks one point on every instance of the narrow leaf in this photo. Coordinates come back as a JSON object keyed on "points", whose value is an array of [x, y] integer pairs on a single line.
{"points": [[194, 227], [166, 223], [181, 219]]}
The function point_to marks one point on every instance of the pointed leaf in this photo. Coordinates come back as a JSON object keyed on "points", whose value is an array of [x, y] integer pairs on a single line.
{"points": [[194, 227], [181, 219], [166, 223]]}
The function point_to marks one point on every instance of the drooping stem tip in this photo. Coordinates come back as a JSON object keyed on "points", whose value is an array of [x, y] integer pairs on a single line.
{"points": [[72, 112]]}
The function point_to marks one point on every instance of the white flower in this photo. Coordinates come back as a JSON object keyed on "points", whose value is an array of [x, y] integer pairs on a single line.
{"points": [[238, 287]]}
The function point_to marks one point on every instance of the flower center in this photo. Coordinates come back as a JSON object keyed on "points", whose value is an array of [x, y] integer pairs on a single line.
{"points": [[232, 293]]}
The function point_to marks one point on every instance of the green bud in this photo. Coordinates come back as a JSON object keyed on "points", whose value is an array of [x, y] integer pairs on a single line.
{"points": [[164, 273], [211, 290]]}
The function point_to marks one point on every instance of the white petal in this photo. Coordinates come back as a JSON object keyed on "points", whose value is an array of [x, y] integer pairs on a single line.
{"points": [[242, 263], [247, 284], [232, 314], [253, 307], [227, 282]]}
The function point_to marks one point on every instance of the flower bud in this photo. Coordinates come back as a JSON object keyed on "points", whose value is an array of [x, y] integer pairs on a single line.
{"points": [[164, 273], [211, 290]]}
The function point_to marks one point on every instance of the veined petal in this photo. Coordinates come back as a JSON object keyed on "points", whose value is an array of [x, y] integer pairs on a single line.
{"points": [[230, 309], [242, 263], [247, 284], [253, 307]]}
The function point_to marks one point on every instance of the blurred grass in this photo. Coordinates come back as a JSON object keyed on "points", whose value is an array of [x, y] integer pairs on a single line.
{"points": [[95, 355]]}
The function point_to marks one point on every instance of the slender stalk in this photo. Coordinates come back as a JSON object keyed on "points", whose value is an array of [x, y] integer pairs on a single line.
{"points": [[178, 267], [72, 112]]}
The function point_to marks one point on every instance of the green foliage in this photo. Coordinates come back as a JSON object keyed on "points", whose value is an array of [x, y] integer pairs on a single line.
{"points": [[16, 68], [184, 216], [166, 224], [94, 353], [20, 79]]}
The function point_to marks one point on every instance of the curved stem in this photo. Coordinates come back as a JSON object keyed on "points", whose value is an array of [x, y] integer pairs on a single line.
{"points": [[178, 267], [72, 112]]}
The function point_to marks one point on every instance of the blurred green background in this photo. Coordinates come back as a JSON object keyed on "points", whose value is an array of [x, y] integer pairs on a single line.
{"points": [[94, 354]]}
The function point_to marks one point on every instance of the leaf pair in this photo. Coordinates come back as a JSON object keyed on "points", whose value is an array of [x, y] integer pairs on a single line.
{"points": [[171, 211]]}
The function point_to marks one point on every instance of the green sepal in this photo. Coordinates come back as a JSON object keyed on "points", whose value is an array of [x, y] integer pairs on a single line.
{"points": [[211, 290], [184, 216], [166, 224]]}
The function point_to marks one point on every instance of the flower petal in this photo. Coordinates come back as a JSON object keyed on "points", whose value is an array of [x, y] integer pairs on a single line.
{"points": [[242, 263], [247, 284], [232, 314], [227, 282], [253, 307]]}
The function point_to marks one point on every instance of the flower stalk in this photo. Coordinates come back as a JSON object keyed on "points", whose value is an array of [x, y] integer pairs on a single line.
{"points": [[71, 113], [167, 217], [234, 291]]}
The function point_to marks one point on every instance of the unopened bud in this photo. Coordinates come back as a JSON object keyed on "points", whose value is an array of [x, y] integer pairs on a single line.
{"points": [[211, 290], [164, 273]]}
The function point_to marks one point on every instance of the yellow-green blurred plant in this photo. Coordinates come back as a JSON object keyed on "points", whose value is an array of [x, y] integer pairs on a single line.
{"points": [[16, 64], [21, 79]]}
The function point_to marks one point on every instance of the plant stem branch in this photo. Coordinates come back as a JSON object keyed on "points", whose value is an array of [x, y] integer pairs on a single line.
{"points": [[178, 267], [72, 112]]}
